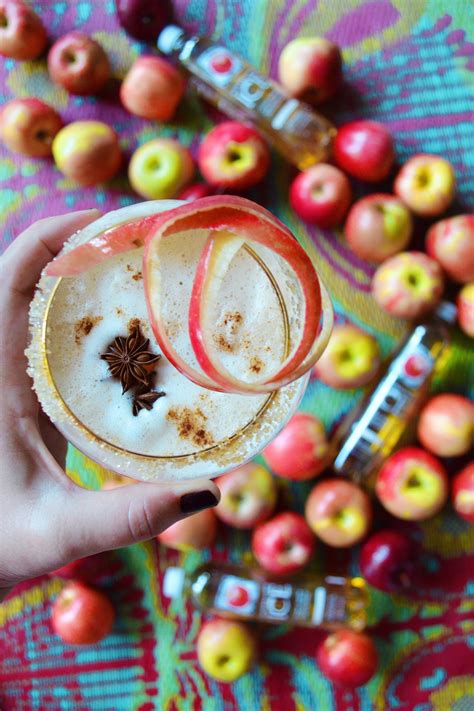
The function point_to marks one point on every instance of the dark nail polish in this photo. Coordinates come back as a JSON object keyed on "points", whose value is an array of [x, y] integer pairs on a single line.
{"points": [[197, 501]]}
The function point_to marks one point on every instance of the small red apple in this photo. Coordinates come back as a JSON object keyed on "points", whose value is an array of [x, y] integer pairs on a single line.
{"points": [[463, 492], [446, 425], [348, 658], [408, 285], [465, 306], [365, 150], [426, 184], [22, 34], [196, 191], [28, 126], [248, 496], [451, 243], [310, 68], [388, 561], [300, 450], [226, 649], [82, 615], [351, 358], [233, 156], [339, 512], [284, 544], [412, 484], [321, 195], [152, 89], [378, 226], [87, 152], [79, 64], [191, 533], [144, 19]]}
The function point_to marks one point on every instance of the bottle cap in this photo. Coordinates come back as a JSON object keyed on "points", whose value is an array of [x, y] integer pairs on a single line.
{"points": [[446, 311], [168, 37], [173, 582]]}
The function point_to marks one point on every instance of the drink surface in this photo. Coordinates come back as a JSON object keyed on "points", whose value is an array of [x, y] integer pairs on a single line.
{"points": [[188, 430]]}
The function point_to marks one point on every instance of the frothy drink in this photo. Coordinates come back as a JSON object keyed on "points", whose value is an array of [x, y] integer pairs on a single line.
{"points": [[172, 428]]}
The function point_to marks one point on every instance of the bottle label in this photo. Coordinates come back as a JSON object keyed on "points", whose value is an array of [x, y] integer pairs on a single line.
{"points": [[417, 367], [238, 595], [220, 65]]}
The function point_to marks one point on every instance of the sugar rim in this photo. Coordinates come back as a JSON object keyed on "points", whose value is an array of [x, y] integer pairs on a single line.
{"points": [[232, 452]]}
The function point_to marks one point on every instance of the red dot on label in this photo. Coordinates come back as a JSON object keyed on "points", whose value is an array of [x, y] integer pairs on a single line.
{"points": [[415, 366], [221, 63], [237, 596]]}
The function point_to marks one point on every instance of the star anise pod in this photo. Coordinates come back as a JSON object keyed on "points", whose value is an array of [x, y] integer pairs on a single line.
{"points": [[129, 359], [145, 401]]}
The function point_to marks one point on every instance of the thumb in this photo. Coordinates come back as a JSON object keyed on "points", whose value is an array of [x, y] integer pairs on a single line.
{"points": [[95, 521]]}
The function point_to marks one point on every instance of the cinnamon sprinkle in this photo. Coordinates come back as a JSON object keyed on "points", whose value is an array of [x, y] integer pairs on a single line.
{"points": [[191, 425], [84, 326], [256, 365]]}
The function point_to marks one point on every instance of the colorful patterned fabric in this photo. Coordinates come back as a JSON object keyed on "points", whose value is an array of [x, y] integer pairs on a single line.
{"points": [[409, 63]]}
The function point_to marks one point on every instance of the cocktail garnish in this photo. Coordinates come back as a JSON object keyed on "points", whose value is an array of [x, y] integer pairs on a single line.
{"points": [[130, 360], [145, 401]]}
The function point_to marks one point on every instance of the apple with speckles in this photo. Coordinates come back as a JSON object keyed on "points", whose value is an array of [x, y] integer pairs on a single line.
{"points": [[412, 484]]}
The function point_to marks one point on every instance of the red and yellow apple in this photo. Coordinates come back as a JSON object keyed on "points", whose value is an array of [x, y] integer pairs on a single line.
{"points": [[233, 156], [78, 64], [364, 149], [22, 34], [248, 496], [378, 226], [81, 614], [28, 126], [160, 168], [226, 649], [426, 184], [412, 484], [321, 195], [348, 658], [300, 450], [310, 68], [351, 358], [191, 533], [152, 88], [408, 285], [339, 512], [284, 544], [465, 306], [463, 493], [446, 425], [451, 243], [87, 152]]}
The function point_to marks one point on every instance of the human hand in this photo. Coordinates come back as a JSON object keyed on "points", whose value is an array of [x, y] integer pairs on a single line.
{"points": [[46, 520]]}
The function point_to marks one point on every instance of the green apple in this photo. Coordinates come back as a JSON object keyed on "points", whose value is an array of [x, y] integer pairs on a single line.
{"points": [[226, 649], [160, 168], [351, 358]]}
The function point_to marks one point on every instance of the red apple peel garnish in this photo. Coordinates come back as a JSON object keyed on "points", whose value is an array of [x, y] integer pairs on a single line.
{"points": [[231, 222]]}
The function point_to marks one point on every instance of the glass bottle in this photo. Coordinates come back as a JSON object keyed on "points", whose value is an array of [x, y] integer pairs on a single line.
{"points": [[301, 135], [327, 601], [370, 434]]}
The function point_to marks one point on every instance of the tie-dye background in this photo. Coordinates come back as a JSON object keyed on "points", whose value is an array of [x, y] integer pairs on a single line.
{"points": [[409, 63]]}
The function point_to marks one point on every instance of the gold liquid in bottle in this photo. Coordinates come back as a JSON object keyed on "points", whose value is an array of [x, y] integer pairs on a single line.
{"points": [[325, 601], [301, 135]]}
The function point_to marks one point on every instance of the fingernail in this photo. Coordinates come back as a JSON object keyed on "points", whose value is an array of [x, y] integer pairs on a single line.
{"points": [[197, 501]]}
